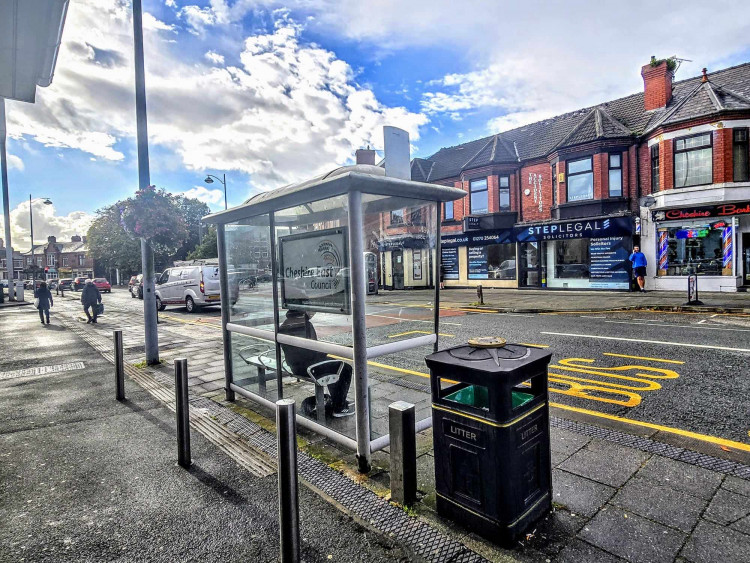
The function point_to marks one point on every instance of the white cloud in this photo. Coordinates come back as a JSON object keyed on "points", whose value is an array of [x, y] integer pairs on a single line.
{"points": [[214, 57], [205, 195], [46, 223], [170, 3], [15, 162], [287, 111], [151, 23]]}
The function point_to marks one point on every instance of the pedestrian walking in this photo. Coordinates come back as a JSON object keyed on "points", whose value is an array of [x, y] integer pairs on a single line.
{"points": [[91, 298], [639, 262], [44, 296]]}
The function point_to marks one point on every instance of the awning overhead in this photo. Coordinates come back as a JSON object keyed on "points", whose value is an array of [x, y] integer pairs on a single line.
{"points": [[30, 35]]}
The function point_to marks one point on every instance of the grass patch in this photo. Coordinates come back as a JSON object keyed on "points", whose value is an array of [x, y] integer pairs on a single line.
{"points": [[144, 364]]}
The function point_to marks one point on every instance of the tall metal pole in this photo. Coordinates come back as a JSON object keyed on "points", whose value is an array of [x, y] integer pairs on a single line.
{"points": [[288, 482], [226, 304], [144, 181], [359, 335], [225, 192], [31, 226], [6, 203]]}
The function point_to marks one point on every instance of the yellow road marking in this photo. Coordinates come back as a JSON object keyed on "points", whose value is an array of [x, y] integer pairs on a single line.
{"points": [[659, 427], [581, 391], [644, 358], [534, 345], [420, 332], [650, 385], [568, 365]]}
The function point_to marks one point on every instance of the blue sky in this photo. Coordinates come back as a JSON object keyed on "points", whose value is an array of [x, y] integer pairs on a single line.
{"points": [[273, 92]]}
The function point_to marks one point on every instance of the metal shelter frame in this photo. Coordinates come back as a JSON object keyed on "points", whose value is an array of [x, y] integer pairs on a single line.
{"points": [[352, 182]]}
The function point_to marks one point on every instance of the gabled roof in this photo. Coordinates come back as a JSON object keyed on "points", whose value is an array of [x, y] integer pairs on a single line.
{"points": [[725, 90]]}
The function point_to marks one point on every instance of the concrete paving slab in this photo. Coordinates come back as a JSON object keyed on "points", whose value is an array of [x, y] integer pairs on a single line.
{"points": [[691, 479], [710, 543], [632, 537], [736, 485], [578, 494], [564, 444], [661, 504], [581, 552], [605, 462], [727, 507]]}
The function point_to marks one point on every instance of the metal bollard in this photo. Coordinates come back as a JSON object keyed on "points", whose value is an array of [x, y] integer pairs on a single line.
{"points": [[286, 431], [480, 294], [183, 412], [401, 426], [119, 367]]}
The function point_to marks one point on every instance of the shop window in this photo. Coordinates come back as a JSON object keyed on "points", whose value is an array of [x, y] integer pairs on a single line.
{"points": [[397, 217], [448, 213], [504, 187], [693, 161], [615, 175], [572, 258], [580, 179], [478, 201], [655, 168], [694, 249], [492, 262], [740, 154]]}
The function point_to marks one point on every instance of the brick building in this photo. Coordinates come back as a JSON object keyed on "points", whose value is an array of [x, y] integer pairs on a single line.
{"points": [[560, 203], [63, 259], [17, 272]]}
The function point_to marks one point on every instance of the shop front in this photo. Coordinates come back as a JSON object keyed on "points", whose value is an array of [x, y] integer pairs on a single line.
{"points": [[587, 253], [712, 242], [406, 262]]}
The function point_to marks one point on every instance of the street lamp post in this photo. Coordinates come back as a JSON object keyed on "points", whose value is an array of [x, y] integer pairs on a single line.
{"points": [[209, 180], [31, 225]]}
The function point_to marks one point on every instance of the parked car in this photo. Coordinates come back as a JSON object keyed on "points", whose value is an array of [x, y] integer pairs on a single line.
{"points": [[52, 283], [135, 286], [66, 283], [191, 286], [79, 283], [102, 285]]}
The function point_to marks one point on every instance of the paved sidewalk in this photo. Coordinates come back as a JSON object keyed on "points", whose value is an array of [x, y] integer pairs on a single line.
{"points": [[85, 478], [541, 301], [618, 497]]}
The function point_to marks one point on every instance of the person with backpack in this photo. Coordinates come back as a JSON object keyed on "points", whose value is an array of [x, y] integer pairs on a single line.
{"points": [[44, 297], [91, 298]]}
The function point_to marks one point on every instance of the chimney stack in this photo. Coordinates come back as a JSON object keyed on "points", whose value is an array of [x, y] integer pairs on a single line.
{"points": [[75, 238], [657, 84], [52, 239], [365, 156]]}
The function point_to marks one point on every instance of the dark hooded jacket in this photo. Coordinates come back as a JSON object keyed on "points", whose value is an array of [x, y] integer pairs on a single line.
{"points": [[45, 297], [90, 295]]}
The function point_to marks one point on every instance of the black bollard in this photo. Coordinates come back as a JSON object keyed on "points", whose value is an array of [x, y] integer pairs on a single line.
{"points": [[182, 409]]}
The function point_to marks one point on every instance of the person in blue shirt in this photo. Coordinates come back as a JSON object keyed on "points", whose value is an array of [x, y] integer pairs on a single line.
{"points": [[638, 259]]}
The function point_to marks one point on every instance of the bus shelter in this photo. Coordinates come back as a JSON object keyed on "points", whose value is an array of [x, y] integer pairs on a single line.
{"points": [[301, 314]]}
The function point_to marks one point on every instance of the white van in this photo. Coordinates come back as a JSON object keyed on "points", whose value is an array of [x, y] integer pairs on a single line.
{"points": [[194, 284]]}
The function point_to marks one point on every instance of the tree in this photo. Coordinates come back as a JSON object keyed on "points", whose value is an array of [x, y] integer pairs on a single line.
{"points": [[208, 248], [110, 245], [192, 211]]}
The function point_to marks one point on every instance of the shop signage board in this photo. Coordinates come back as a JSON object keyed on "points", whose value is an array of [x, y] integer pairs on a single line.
{"points": [[477, 238], [722, 210], [478, 263], [315, 271], [449, 262], [417, 240], [609, 263], [583, 228]]}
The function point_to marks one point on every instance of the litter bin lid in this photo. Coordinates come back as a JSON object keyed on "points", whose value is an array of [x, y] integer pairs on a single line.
{"points": [[474, 354]]}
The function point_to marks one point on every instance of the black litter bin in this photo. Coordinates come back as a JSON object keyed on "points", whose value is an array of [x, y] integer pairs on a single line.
{"points": [[490, 417]]}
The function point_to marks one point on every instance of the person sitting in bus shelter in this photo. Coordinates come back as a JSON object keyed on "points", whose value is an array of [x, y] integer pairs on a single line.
{"points": [[297, 323]]}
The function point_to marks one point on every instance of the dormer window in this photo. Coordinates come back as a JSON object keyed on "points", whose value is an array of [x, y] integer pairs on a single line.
{"points": [[693, 164], [580, 179]]}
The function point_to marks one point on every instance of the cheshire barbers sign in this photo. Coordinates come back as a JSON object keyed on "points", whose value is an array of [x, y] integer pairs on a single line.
{"points": [[722, 210]]}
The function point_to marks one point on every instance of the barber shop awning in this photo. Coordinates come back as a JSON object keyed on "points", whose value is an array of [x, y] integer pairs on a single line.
{"points": [[30, 35]]}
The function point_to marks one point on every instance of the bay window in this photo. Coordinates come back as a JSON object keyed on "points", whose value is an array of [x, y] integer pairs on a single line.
{"points": [[504, 193], [740, 154], [693, 164], [448, 213], [615, 175], [655, 168], [580, 179], [478, 201]]}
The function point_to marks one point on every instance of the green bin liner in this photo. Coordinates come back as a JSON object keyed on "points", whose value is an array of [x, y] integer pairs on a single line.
{"points": [[519, 398], [473, 396]]}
